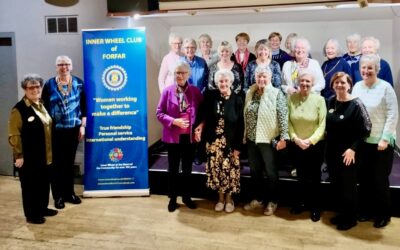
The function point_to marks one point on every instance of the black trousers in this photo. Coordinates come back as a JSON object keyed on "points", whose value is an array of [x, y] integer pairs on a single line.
{"points": [[308, 165], [177, 153], [262, 164], [35, 186], [344, 183], [374, 181], [65, 144]]}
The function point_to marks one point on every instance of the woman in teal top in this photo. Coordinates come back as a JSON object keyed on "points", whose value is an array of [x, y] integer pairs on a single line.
{"points": [[307, 114]]}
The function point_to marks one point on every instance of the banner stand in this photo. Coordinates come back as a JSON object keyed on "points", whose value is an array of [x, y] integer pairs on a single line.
{"points": [[116, 140]]}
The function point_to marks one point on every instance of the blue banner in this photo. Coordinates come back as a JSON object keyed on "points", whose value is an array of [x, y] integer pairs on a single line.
{"points": [[116, 156]]}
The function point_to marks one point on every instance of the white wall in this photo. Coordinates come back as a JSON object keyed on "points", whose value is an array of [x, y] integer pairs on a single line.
{"points": [[157, 33], [36, 50], [316, 32]]}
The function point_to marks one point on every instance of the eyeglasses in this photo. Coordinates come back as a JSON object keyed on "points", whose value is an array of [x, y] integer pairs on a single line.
{"points": [[63, 64], [176, 43], [190, 48], [33, 87], [181, 73]]}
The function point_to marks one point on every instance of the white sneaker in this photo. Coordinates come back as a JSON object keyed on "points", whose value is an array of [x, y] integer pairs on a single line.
{"points": [[229, 207], [270, 208], [219, 207], [253, 205]]}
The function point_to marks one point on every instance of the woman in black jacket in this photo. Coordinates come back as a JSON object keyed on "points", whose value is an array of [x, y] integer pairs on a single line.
{"points": [[223, 133]]}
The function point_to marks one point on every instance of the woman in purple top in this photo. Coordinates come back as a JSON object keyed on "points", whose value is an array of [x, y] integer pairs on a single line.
{"points": [[177, 111], [166, 76]]}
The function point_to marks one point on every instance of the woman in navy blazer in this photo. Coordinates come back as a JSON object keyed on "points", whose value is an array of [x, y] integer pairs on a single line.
{"points": [[177, 111]]}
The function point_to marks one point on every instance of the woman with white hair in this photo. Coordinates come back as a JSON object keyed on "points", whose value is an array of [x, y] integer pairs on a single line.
{"points": [[370, 45], [177, 112], [334, 63], [198, 65], [166, 74], [266, 130], [223, 133], [353, 49], [380, 100], [65, 100], [205, 49], [292, 69], [225, 62]]}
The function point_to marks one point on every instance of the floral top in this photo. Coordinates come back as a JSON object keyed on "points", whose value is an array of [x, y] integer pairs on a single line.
{"points": [[251, 116]]}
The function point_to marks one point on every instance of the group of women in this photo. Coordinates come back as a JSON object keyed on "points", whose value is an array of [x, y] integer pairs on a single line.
{"points": [[352, 129]]}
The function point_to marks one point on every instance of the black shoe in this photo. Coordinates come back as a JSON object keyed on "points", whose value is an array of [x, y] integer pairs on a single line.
{"points": [[346, 225], [363, 218], [39, 220], [298, 209], [381, 222], [189, 203], [336, 220], [73, 199], [50, 212], [59, 203], [315, 215], [172, 205]]}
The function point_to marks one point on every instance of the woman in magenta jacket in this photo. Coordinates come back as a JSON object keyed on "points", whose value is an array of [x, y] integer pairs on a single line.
{"points": [[177, 112]]}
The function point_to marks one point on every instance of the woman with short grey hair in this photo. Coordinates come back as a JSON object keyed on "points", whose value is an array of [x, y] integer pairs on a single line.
{"points": [[292, 69], [223, 133], [30, 137], [380, 100], [334, 63], [198, 65], [370, 45], [266, 130], [166, 74], [353, 49]]}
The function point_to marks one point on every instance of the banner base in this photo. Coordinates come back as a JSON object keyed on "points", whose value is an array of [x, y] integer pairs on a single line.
{"points": [[116, 193]]}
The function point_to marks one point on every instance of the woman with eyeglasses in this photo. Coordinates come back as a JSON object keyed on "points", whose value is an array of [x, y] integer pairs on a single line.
{"points": [[64, 98], [177, 112], [198, 66], [30, 132], [307, 115]]}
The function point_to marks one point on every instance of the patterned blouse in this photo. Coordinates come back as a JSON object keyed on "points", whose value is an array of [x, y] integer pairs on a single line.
{"points": [[250, 76], [237, 85], [251, 116]]}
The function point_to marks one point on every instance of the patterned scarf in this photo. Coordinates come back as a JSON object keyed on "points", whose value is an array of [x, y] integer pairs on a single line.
{"points": [[183, 105]]}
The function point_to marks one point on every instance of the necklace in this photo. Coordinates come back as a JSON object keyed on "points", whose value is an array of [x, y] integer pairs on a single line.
{"points": [[63, 91], [329, 71]]}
